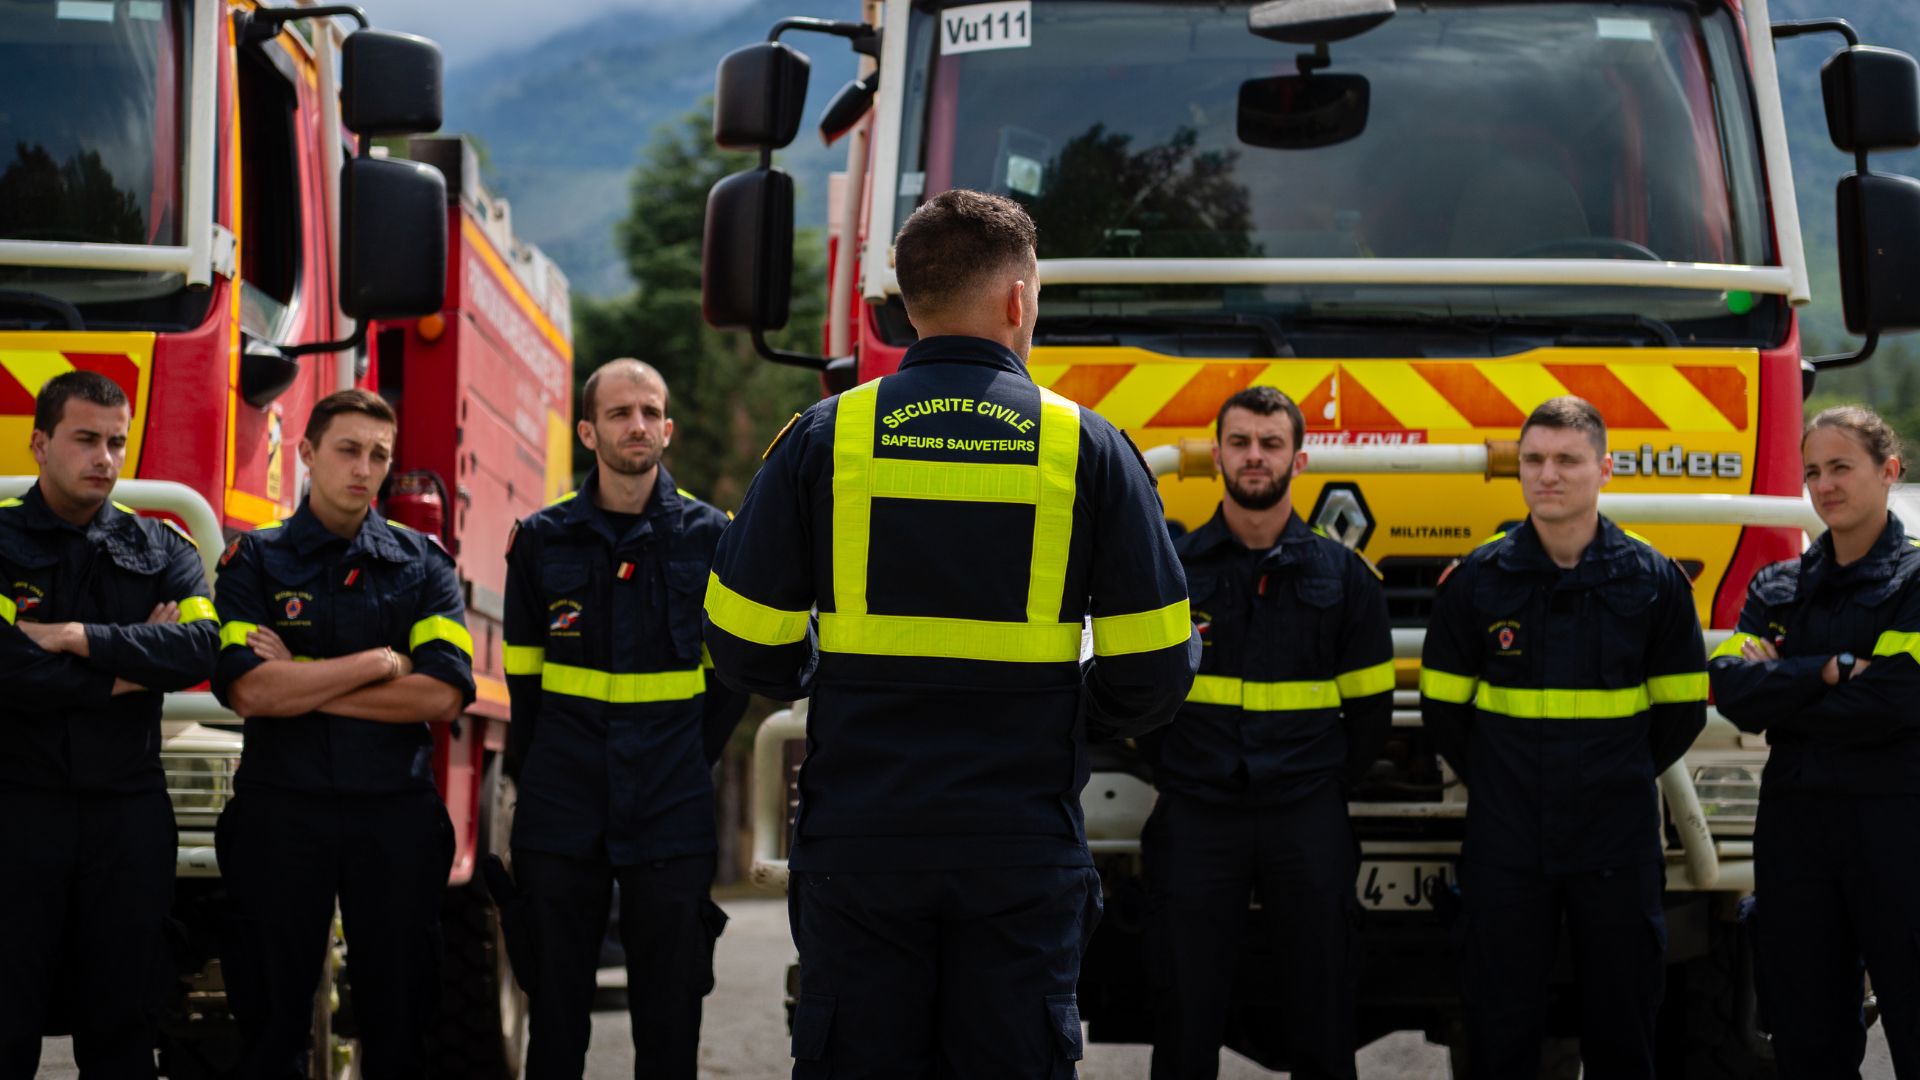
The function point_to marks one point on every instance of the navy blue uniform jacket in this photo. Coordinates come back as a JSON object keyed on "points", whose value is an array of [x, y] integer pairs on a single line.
{"points": [[1560, 695], [948, 720], [326, 596], [1857, 739], [616, 721], [65, 730], [1295, 690]]}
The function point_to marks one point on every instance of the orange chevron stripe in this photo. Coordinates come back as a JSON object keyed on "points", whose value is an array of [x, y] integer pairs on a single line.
{"points": [[1469, 391], [1617, 404], [1315, 406], [1359, 409], [1088, 384], [1724, 387], [1198, 402]]}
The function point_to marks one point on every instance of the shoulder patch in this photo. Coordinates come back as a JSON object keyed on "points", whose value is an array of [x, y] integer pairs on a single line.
{"points": [[1444, 574], [232, 550], [781, 434], [169, 523]]}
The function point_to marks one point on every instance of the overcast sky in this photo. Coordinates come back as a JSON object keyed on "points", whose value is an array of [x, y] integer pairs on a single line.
{"points": [[470, 29]]}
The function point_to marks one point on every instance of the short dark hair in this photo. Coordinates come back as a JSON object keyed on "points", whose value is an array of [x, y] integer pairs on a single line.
{"points": [[1873, 433], [1569, 413], [954, 241], [625, 365], [50, 405], [356, 400], [1265, 401]]}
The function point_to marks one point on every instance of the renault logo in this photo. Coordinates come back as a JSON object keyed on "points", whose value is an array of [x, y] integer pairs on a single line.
{"points": [[1341, 513]]}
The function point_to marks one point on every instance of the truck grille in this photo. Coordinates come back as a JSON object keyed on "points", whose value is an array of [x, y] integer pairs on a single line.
{"points": [[199, 785], [1410, 581]]}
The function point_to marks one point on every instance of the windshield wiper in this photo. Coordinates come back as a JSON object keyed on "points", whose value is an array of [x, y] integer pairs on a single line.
{"points": [[1107, 329], [42, 302]]}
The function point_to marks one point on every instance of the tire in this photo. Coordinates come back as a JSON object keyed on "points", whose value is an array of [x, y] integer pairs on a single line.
{"points": [[1716, 1003], [481, 1033]]}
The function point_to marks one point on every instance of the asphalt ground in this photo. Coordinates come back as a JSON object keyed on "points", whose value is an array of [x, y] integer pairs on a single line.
{"points": [[744, 1035]]}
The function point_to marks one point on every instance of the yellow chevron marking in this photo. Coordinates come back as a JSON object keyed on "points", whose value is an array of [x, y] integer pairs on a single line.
{"points": [[32, 368], [1046, 374], [1145, 391], [1524, 384], [1671, 397], [1296, 379], [1412, 399]]}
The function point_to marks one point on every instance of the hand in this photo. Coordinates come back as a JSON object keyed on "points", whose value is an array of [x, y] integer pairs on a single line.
{"points": [[1759, 649], [164, 613], [124, 686], [402, 664], [267, 645], [65, 637], [1830, 674]]}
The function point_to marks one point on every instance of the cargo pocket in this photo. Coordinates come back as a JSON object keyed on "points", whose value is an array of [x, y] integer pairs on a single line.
{"points": [[812, 1028], [1748, 921], [1063, 1020], [713, 920]]}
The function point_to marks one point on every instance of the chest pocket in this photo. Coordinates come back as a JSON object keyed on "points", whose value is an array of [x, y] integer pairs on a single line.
{"points": [[395, 589], [686, 596], [1871, 611], [128, 582], [1219, 612], [1508, 628], [577, 612], [26, 578], [1316, 636], [296, 601], [1624, 607]]}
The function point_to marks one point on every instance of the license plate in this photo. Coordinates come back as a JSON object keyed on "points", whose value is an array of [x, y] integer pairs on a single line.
{"points": [[1400, 886]]}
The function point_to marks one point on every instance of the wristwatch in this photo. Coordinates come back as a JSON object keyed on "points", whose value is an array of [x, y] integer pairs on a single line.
{"points": [[1843, 663]]}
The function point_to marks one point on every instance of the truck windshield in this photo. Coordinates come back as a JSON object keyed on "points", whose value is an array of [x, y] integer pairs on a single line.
{"points": [[91, 131], [1491, 130]]}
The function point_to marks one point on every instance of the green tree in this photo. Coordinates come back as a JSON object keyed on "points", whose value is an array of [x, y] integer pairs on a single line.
{"points": [[726, 402]]}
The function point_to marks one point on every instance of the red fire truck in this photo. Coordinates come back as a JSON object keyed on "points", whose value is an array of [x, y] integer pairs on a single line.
{"points": [[192, 204], [1419, 221]]}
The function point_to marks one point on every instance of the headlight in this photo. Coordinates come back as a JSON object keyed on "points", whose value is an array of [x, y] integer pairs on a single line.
{"points": [[1729, 796], [199, 785]]}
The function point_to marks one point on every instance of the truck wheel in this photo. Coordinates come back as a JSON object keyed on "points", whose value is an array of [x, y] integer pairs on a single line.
{"points": [[1718, 1008], [482, 1030]]}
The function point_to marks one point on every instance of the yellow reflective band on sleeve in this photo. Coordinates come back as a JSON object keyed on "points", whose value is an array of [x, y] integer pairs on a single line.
{"points": [[197, 609], [523, 659], [852, 495], [1263, 696], [1731, 646], [7, 610], [1447, 687], [957, 639], [1898, 643], [750, 620], [1366, 681], [706, 659], [235, 633], [1562, 704], [622, 689], [440, 628], [1677, 689], [1145, 631], [1059, 461], [955, 481]]}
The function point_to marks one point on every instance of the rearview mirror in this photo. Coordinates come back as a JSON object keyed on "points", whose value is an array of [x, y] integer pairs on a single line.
{"points": [[746, 256], [1301, 112], [390, 83], [1879, 252], [1316, 22], [758, 94], [1872, 97], [393, 239], [847, 107]]}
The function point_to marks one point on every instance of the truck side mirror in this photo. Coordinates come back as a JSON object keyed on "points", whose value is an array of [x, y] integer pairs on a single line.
{"points": [[390, 83], [758, 94], [393, 239], [1879, 233], [746, 257], [1872, 97]]}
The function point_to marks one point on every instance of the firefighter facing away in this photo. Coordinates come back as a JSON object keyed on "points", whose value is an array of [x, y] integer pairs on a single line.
{"points": [[953, 524], [616, 727], [1292, 703], [1563, 672], [1826, 662], [101, 611], [345, 637]]}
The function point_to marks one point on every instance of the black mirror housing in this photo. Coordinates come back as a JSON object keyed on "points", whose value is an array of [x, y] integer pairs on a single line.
{"points": [[1879, 233], [390, 84], [758, 95], [1316, 22], [1872, 97], [849, 104], [746, 257], [393, 239], [1301, 112]]}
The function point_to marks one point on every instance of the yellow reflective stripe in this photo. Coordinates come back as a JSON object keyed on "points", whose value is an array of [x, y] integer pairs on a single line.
{"points": [[1677, 689], [1366, 681], [1898, 643], [523, 659], [4, 503], [852, 495], [197, 609], [622, 689], [1446, 686], [1731, 646], [955, 481], [1562, 704], [959, 639], [1059, 460], [7, 610], [750, 620], [440, 628], [1214, 690], [1264, 696], [706, 659], [1143, 631], [1492, 539], [235, 633]]}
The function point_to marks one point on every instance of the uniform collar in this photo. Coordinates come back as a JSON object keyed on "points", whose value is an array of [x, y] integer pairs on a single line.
{"points": [[664, 505], [1215, 534], [955, 349], [1608, 556], [111, 524], [1879, 560], [374, 538]]}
